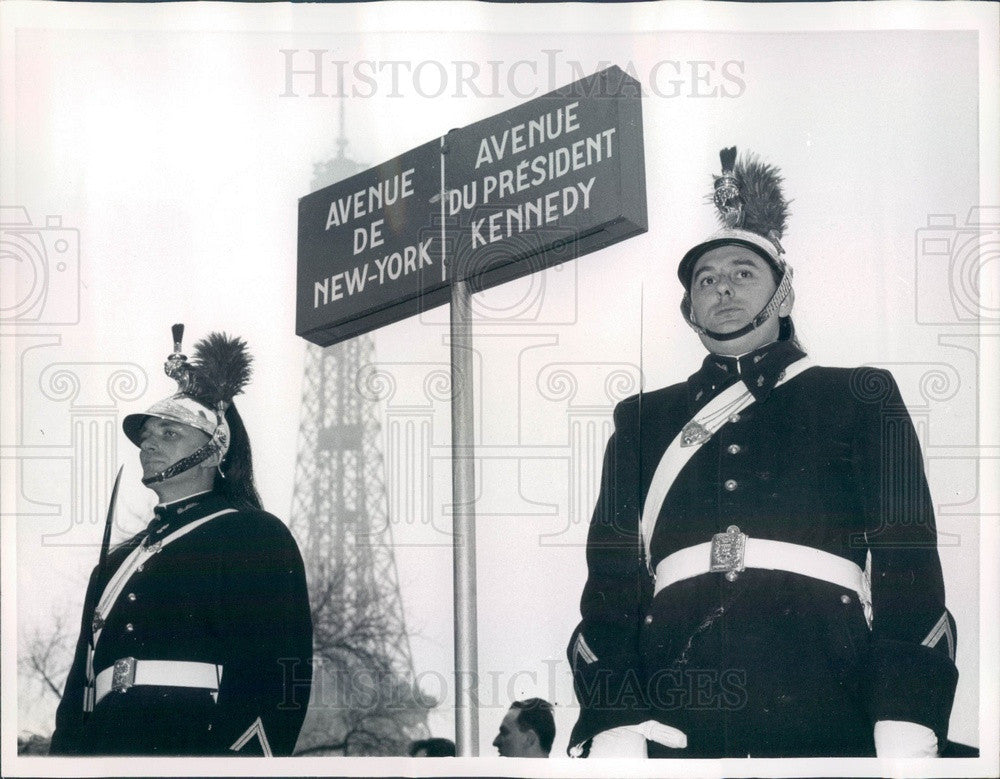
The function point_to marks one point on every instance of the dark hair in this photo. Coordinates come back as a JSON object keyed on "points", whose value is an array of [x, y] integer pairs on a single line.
{"points": [[536, 714], [236, 479], [434, 747]]}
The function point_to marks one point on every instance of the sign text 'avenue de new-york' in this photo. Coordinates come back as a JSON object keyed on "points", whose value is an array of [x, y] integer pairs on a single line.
{"points": [[546, 182]]}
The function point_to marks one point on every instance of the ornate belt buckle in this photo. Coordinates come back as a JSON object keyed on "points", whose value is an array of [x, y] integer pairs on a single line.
{"points": [[123, 676], [694, 433], [728, 550]]}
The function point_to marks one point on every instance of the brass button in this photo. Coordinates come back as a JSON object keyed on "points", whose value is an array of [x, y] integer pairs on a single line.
{"points": [[649, 619], [131, 596], [845, 599], [730, 484], [139, 567], [734, 449], [129, 627], [734, 418]]}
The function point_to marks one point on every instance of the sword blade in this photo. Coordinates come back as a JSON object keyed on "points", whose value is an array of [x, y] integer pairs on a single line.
{"points": [[106, 540]]}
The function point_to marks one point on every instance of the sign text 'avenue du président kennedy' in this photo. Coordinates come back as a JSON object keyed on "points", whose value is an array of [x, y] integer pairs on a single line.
{"points": [[546, 182]]}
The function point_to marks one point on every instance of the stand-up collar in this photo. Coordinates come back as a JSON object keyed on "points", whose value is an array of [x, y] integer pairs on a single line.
{"points": [[168, 517], [760, 370]]}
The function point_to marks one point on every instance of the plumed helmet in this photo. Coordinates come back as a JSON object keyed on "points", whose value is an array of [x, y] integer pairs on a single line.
{"points": [[218, 371], [753, 212]]}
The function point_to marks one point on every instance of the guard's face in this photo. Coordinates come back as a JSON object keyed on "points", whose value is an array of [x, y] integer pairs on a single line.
{"points": [[163, 442], [730, 285], [511, 740]]}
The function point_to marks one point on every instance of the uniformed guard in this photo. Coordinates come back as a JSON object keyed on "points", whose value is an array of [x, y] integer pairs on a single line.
{"points": [[763, 570], [196, 636]]}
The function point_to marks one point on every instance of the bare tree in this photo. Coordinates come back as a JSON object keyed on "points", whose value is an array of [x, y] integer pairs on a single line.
{"points": [[361, 704], [44, 658]]}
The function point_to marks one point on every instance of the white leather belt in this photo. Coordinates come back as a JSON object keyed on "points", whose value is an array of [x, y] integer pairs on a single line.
{"points": [[733, 551], [129, 672]]}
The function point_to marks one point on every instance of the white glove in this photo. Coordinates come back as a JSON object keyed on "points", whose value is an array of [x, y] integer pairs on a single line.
{"points": [[629, 741], [895, 738]]}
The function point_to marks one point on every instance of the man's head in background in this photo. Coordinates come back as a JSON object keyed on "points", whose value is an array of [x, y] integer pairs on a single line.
{"points": [[527, 730]]}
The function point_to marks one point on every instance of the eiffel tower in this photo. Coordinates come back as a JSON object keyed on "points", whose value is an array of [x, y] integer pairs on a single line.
{"points": [[364, 701]]}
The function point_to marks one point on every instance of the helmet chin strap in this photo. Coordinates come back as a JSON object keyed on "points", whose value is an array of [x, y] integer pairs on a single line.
{"points": [[784, 286], [193, 459], [218, 443]]}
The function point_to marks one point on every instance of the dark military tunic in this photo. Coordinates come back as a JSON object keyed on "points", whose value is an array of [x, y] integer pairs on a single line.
{"points": [[231, 592], [773, 663]]}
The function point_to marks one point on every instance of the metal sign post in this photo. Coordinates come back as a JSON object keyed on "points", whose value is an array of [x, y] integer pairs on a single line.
{"points": [[463, 480], [541, 184]]}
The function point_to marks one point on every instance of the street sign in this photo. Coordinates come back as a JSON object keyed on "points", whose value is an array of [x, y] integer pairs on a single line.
{"points": [[546, 182], [364, 248]]}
